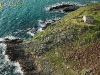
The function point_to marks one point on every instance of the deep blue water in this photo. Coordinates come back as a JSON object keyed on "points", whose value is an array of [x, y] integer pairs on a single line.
{"points": [[22, 20]]}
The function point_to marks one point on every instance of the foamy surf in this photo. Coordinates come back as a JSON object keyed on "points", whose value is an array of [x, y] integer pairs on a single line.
{"points": [[94, 1], [30, 33], [18, 68], [10, 37]]}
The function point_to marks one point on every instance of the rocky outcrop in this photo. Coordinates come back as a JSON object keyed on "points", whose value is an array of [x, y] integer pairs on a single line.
{"points": [[68, 9], [65, 7], [27, 61], [60, 6]]}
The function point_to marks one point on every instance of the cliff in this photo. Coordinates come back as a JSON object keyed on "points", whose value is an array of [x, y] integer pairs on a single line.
{"points": [[69, 46]]}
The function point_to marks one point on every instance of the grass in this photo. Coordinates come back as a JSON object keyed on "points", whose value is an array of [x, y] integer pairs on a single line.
{"points": [[69, 58]]}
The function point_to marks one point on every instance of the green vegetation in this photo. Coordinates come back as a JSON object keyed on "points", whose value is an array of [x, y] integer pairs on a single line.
{"points": [[69, 46]]}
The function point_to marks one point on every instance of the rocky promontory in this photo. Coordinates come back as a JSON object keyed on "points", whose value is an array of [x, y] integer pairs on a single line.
{"points": [[69, 46], [28, 62]]}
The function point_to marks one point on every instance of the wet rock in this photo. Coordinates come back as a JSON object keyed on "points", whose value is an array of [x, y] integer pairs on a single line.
{"points": [[68, 9], [27, 61], [60, 6], [46, 25], [64, 7], [13, 41]]}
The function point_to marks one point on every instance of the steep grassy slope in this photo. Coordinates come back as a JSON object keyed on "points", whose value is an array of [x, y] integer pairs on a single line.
{"points": [[69, 46]]}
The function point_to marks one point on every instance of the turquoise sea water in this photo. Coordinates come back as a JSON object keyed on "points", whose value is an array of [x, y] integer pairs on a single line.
{"points": [[21, 18]]}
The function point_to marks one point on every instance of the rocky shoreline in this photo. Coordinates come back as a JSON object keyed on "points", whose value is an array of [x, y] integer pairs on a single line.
{"points": [[62, 6], [28, 62]]}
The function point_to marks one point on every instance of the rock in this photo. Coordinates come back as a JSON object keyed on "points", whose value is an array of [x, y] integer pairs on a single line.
{"points": [[60, 6], [13, 41], [27, 61], [68, 9], [64, 7], [46, 25]]}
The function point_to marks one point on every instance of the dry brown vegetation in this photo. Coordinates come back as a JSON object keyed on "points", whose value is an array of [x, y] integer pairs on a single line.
{"points": [[88, 59]]}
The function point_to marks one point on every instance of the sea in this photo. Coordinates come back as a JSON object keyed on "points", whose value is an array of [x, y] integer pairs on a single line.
{"points": [[23, 19]]}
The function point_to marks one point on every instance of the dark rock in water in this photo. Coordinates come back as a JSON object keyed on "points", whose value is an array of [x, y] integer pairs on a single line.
{"points": [[65, 7], [68, 9], [46, 25], [60, 6], [7, 39], [13, 41]]}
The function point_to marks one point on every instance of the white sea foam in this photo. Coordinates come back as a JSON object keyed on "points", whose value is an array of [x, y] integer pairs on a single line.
{"points": [[10, 37], [49, 21], [94, 1], [40, 29], [2, 48], [3, 53], [1, 39], [18, 68], [40, 20], [41, 23], [30, 33]]}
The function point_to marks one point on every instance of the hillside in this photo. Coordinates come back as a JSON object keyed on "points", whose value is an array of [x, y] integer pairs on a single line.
{"points": [[69, 46]]}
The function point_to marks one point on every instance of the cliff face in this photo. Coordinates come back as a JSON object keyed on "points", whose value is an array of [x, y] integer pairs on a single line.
{"points": [[67, 47]]}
